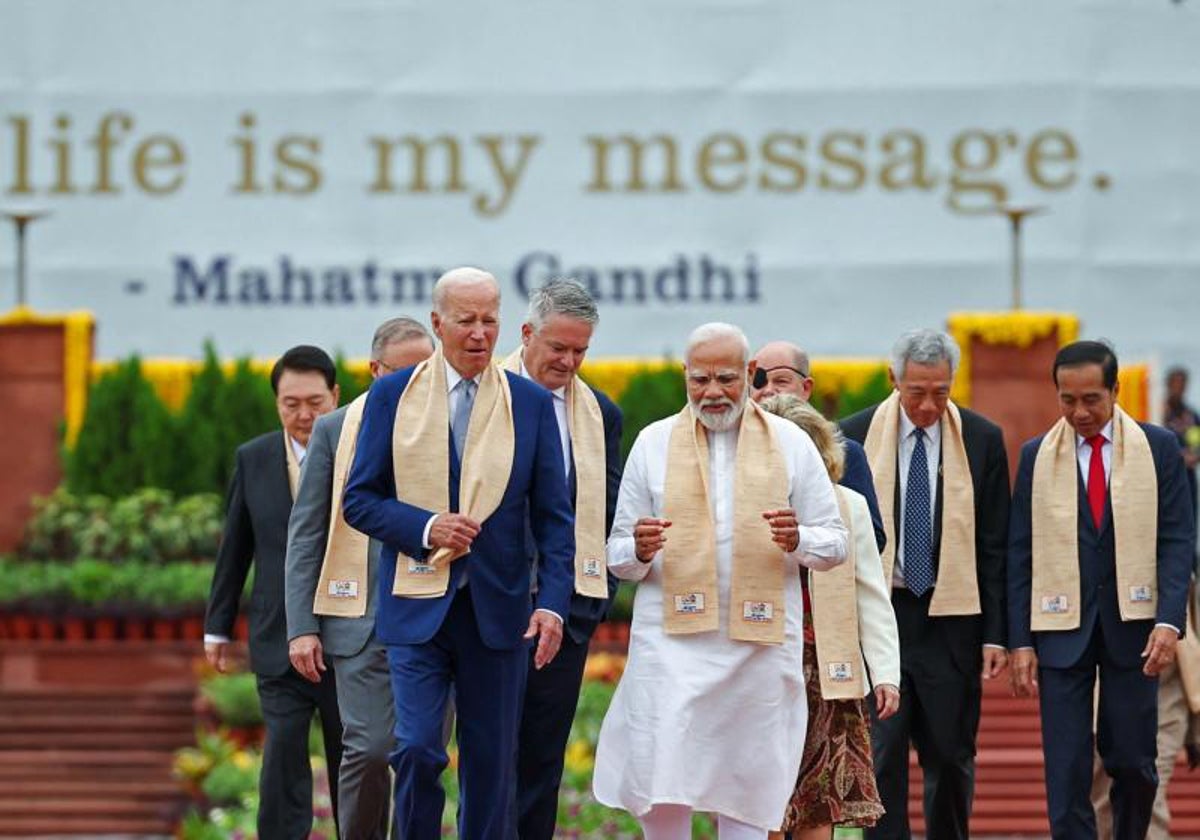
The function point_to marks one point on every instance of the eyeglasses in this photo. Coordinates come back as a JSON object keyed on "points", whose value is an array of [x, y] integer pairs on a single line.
{"points": [[386, 366], [761, 374]]}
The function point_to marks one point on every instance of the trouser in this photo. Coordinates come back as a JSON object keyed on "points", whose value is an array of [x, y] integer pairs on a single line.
{"points": [[364, 692], [489, 686], [285, 809], [674, 822], [551, 695], [939, 715], [1174, 723], [1125, 727]]}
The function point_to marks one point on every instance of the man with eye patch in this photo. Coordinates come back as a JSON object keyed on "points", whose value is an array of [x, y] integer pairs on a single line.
{"points": [[941, 478], [783, 368]]}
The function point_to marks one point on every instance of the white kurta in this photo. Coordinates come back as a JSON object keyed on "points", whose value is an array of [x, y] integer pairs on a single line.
{"points": [[699, 719]]}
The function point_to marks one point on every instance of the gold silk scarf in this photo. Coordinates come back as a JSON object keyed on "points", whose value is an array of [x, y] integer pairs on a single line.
{"points": [[957, 588], [1132, 491], [834, 596], [342, 587], [690, 592], [421, 461], [586, 430]]}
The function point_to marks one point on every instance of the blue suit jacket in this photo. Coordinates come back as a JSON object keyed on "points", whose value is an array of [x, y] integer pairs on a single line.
{"points": [[497, 565], [856, 474], [1123, 640]]}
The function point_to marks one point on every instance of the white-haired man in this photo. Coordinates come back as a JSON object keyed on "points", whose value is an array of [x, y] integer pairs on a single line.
{"points": [[455, 461], [720, 506], [554, 342], [941, 476]]}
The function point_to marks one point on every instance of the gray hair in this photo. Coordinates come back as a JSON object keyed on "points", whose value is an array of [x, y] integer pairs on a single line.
{"points": [[713, 331], [464, 276], [924, 347], [397, 331], [561, 296]]}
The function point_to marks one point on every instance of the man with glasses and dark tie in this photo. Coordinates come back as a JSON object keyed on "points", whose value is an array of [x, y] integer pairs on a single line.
{"points": [[941, 477]]}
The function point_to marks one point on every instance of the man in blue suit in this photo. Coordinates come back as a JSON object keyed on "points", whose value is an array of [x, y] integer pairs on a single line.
{"points": [[471, 630], [1097, 481]]}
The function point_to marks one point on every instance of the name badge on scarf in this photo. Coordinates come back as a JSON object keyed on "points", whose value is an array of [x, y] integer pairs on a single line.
{"points": [[1054, 604], [692, 602], [841, 671], [758, 611], [1140, 594], [343, 589], [592, 568], [416, 567]]}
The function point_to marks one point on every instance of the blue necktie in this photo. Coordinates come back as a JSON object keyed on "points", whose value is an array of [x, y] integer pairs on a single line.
{"points": [[918, 524], [462, 414]]}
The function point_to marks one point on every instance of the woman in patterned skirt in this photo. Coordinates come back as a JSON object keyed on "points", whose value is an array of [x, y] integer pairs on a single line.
{"points": [[842, 608]]}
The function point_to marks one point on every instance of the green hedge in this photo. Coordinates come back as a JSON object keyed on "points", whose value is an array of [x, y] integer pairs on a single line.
{"points": [[130, 439]]}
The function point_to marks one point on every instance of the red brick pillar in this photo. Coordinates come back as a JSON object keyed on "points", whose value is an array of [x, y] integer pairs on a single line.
{"points": [[36, 365]]}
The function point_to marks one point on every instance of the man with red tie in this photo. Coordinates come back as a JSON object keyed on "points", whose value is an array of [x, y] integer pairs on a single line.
{"points": [[1100, 553]]}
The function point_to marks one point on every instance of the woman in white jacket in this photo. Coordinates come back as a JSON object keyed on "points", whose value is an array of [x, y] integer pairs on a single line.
{"points": [[848, 618]]}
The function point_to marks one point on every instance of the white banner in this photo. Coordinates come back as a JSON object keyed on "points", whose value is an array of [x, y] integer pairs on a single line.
{"points": [[273, 173]]}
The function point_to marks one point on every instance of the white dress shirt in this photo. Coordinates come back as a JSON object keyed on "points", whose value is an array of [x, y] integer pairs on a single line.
{"points": [[933, 457], [560, 414]]}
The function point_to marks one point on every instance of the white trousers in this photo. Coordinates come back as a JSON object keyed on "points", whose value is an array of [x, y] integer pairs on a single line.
{"points": [[674, 822]]}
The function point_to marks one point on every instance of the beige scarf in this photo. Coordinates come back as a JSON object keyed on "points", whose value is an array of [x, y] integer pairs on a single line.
{"points": [[834, 596], [1187, 655], [586, 428], [1055, 501], [421, 460], [293, 464], [342, 588], [757, 593], [957, 589]]}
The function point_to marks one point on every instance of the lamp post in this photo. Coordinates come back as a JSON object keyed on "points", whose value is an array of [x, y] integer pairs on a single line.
{"points": [[1016, 216], [22, 221]]}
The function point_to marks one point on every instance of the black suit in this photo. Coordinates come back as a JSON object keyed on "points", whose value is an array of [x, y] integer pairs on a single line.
{"points": [[940, 658], [552, 693], [256, 523]]}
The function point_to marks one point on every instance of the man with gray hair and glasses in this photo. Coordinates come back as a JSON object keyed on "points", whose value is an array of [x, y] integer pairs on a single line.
{"points": [[554, 342], [941, 477], [329, 585]]}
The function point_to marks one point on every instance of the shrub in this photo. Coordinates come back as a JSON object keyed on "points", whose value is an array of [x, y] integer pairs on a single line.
{"points": [[650, 395], [127, 438], [204, 464], [234, 699]]}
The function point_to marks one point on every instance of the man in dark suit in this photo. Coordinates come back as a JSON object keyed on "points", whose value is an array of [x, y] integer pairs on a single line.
{"points": [[471, 629], [1127, 632], [783, 368], [555, 338], [943, 652], [260, 500], [364, 689]]}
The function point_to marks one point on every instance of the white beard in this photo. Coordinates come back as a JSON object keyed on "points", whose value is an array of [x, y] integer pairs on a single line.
{"points": [[722, 422]]}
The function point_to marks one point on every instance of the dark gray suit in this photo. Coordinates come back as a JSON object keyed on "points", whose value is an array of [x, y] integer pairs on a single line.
{"points": [[360, 662], [256, 522]]}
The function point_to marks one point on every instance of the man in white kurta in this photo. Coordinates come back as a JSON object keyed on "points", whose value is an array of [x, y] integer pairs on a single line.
{"points": [[701, 721]]}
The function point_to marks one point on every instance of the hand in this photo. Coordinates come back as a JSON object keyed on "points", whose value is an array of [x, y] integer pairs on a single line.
{"points": [[785, 528], [1024, 673], [1160, 650], [648, 538], [887, 701], [453, 531], [308, 657], [217, 655], [548, 629], [995, 660]]}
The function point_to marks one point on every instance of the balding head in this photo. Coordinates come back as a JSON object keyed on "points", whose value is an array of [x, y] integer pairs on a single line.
{"points": [[466, 317], [783, 368]]}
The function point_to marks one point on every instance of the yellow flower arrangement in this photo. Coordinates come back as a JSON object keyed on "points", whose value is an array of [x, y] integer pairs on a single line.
{"points": [[1016, 329]]}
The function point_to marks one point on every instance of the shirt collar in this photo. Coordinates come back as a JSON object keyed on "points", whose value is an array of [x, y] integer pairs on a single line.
{"points": [[298, 448], [559, 393], [453, 377], [907, 427], [1105, 432]]}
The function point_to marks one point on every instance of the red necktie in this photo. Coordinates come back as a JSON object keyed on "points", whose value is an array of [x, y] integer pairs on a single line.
{"points": [[1096, 484]]}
